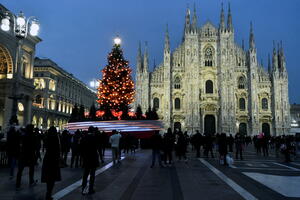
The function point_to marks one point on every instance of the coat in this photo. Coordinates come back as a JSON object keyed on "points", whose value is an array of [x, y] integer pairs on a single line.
{"points": [[90, 154], [51, 167], [28, 149]]}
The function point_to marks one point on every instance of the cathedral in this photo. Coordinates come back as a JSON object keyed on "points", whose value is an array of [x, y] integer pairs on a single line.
{"points": [[212, 84]]}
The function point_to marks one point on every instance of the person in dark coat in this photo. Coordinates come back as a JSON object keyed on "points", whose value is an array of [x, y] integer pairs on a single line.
{"points": [[13, 149], [51, 163], [222, 143], [230, 143], [197, 142], [181, 146], [90, 159], [239, 142], [75, 147], [27, 155], [168, 145], [156, 143], [65, 146]]}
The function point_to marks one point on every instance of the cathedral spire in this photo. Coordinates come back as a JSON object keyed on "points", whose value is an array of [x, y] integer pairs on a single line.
{"points": [[146, 58], [229, 19], [139, 59], [167, 40], [187, 26], [243, 44], [194, 22], [274, 58], [269, 64], [222, 19], [251, 38]]}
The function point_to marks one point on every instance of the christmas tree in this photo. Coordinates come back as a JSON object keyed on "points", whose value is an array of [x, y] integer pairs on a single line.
{"points": [[116, 89]]}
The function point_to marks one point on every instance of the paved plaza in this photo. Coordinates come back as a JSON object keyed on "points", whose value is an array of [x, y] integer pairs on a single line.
{"points": [[256, 177]]}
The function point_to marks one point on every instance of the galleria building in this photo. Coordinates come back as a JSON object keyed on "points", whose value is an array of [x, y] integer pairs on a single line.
{"points": [[211, 84]]}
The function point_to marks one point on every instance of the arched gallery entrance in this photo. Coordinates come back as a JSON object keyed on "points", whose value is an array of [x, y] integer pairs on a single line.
{"points": [[177, 126], [266, 129], [243, 128], [209, 124]]}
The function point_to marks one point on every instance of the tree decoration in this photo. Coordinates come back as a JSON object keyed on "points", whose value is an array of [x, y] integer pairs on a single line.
{"points": [[116, 89]]}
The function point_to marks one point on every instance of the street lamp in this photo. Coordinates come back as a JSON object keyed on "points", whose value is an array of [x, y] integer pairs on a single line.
{"points": [[21, 28]]}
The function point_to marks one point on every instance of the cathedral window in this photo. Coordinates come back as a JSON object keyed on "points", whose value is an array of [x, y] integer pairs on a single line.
{"points": [[264, 104], [177, 84], [242, 104], [156, 103], [209, 87], [177, 103], [241, 82], [208, 57]]}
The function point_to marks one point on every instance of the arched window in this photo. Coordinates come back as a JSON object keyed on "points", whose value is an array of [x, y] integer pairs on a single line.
{"points": [[177, 103], [264, 104], [177, 84], [209, 87], [156, 103], [208, 56], [241, 82], [38, 99], [242, 104]]}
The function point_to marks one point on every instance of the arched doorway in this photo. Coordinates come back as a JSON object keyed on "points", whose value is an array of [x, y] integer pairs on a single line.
{"points": [[177, 126], [243, 128], [266, 129], [6, 67], [209, 124]]}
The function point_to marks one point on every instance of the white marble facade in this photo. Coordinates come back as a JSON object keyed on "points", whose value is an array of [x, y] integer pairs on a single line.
{"points": [[212, 84]]}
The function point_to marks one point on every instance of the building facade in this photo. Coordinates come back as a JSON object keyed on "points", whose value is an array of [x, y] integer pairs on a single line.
{"points": [[295, 117], [16, 75], [56, 93], [212, 84]]}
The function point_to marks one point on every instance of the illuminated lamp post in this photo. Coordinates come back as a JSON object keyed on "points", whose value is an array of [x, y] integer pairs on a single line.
{"points": [[21, 28]]}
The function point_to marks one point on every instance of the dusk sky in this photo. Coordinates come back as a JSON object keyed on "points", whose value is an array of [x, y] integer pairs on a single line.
{"points": [[78, 34]]}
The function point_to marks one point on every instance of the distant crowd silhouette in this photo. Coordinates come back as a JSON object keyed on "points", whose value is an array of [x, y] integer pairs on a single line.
{"points": [[26, 147]]}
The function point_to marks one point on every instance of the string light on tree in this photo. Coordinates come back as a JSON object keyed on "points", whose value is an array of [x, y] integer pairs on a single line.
{"points": [[116, 89]]}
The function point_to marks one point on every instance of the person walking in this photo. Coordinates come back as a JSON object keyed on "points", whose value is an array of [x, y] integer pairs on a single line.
{"points": [[222, 143], [51, 162], [230, 143], [156, 143], [197, 142], [239, 146], [90, 160], [168, 145], [12, 149], [114, 140], [181, 146], [75, 148], [27, 155]]}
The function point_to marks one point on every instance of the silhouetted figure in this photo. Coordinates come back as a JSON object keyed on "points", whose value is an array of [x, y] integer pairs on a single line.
{"points": [[222, 143], [51, 163], [12, 149], [75, 147], [156, 143], [168, 145], [181, 146], [239, 146], [197, 142], [90, 159], [208, 145], [65, 146], [230, 143], [27, 155]]}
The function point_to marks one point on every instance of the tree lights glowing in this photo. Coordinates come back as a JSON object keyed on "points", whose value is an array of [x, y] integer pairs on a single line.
{"points": [[116, 89]]}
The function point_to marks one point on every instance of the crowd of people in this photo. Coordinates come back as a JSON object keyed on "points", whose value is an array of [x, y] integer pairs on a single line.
{"points": [[29, 146]]}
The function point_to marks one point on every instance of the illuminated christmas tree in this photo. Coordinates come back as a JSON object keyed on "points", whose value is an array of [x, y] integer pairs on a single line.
{"points": [[116, 89]]}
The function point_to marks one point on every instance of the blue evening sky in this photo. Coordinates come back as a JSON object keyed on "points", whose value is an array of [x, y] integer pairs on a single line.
{"points": [[78, 34]]}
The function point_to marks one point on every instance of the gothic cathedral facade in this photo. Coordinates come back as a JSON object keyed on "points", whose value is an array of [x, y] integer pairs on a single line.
{"points": [[211, 84]]}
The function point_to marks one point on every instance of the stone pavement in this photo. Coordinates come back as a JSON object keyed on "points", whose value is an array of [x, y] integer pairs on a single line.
{"points": [[256, 177]]}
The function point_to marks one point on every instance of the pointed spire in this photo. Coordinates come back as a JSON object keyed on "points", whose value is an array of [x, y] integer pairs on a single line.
{"points": [[194, 23], [269, 64], [274, 58], [146, 58], [222, 19], [243, 44], [139, 59], [229, 19], [154, 64], [187, 26], [167, 40], [251, 38]]}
